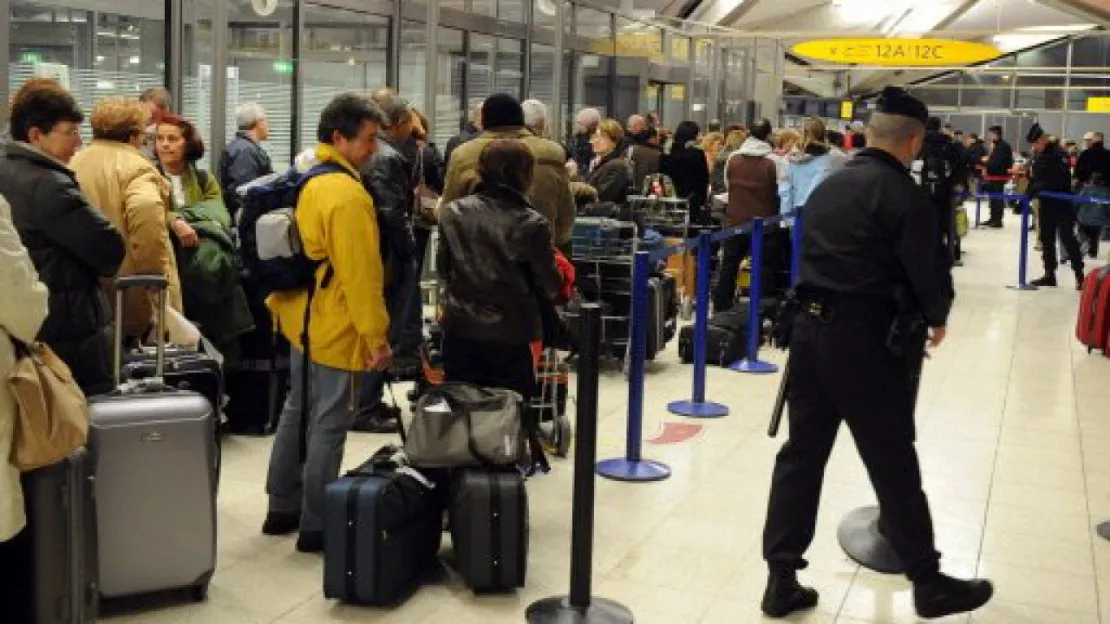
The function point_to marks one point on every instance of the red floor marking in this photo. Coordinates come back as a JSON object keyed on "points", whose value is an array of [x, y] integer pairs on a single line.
{"points": [[675, 433]]}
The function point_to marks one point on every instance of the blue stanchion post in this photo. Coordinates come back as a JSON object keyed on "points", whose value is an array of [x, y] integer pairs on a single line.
{"points": [[751, 363], [978, 203], [796, 245], [632, 467], [1023, 253], [697, 406]]}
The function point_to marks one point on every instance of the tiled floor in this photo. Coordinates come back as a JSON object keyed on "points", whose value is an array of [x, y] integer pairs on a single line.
{"points": [[1014, 424]]}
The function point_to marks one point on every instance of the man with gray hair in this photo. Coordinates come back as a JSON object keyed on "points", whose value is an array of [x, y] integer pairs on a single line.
{"points": [[245, 160], [581, 151], [535, 117], [874, 286]]}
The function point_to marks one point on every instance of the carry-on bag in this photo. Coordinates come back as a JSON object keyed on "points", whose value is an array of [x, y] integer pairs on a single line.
{"points": [[1093, 325], [488, 513], [61, 517], [256, 392], [383, 524], [460, 424], [156, 458]]}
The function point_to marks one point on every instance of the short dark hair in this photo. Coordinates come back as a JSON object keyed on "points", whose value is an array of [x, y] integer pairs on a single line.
{"points": [[762, 130], [345, 114], [507, 162], [42, 103], [685, 132], [995, 129], [933, 124], [194, 145]]}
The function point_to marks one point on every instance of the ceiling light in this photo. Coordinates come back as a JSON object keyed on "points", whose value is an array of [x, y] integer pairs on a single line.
{"points": [[134, 60]]}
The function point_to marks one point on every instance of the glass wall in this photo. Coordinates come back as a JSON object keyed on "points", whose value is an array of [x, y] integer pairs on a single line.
{"points": [[341, 51], [293, 56], [94, 54], [260, 68]]}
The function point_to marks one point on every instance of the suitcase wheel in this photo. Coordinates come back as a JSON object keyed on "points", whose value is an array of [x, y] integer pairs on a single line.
{"points": [[563, 436], [199, 593]]}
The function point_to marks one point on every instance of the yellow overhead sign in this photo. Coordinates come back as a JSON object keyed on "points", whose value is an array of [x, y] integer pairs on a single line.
{"points": [[894, 52], [847, 110], [1098, 105]]}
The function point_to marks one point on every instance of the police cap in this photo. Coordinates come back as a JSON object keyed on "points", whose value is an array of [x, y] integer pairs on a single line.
{"points": [[896, 101]]}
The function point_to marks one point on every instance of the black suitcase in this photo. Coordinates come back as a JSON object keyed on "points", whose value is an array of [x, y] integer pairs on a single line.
{"points": [[723, 346], [256, 391], [184, 370], [381, 529], [489, 528], [61, 517]]}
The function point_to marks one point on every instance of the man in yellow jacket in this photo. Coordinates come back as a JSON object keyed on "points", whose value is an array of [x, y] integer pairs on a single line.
{"points": [[348, 323]]}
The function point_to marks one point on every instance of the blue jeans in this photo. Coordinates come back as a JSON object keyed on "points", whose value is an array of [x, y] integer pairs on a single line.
{"points": [[399, 303], [299, 488]]}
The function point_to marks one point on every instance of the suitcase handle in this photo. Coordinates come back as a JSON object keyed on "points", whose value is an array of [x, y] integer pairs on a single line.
{"points": [[149, 282]]}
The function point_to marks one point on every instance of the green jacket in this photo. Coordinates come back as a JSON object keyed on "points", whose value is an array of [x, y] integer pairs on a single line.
{"points": [[210, 272]]}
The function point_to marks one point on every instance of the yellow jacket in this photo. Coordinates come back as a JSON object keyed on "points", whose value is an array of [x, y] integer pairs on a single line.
{"points": [[129, 190], [337, 223]]}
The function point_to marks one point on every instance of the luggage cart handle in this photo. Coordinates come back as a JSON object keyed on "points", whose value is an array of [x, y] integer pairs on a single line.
{"points": [[159, 283]]}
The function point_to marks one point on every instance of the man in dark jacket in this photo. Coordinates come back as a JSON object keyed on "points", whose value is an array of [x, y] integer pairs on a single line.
{"points": [[1057, 217], [71, 243], [975, 151], [245, 160], [998, 165], [874, 285], [942, 175], [391, 181], [473, 128], [1095, 159]]}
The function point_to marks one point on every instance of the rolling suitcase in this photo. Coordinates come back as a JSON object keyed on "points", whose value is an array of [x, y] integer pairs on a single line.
{"points": [[156, 472], [382, 527], [488, 512], [656, 339], [61, 515], [1093, 326], [256, 391]]}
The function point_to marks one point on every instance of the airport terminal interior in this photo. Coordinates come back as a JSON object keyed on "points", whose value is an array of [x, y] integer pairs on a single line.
{"points": [[1013, 412]]}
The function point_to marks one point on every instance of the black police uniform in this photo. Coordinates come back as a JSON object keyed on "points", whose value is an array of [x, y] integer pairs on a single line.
{"points": [[870, 233], [1056, 217]]}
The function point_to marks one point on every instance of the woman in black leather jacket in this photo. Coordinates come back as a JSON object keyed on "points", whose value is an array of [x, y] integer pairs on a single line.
{"points": [[496, 258], [70, 242]]}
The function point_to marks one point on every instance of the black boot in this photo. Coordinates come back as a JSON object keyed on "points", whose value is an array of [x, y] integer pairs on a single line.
{"points": [[382, 419], [945, 595], [785, 595], [278, 523], [1048, 281], [310, 542]]}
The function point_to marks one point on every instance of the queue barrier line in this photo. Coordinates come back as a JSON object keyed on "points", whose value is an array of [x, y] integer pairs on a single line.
{"points": [[633, 467]]}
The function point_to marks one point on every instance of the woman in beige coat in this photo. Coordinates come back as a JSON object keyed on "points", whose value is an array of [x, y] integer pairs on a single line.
{"points": [[22, 311], [118, 179]]}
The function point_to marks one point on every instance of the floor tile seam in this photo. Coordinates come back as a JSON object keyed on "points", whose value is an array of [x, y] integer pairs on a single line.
{"points": [[1091, 535], [844, 599], [998, 443]]}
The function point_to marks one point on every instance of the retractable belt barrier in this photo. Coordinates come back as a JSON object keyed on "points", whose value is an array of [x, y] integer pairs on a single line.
{"points": [[632, 466]]}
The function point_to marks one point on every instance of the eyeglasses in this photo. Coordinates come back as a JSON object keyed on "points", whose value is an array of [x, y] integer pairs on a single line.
{"points": [[71, 133]]}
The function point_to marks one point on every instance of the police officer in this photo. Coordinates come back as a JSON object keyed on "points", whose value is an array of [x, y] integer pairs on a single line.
{"points": [[1050, 172], [942, 175], [875, 283]]}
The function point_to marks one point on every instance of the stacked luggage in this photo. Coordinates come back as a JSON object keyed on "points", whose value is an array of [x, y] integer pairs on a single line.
{"points": [[726, 335], [603, 252], [383, 521], [134, 512]]}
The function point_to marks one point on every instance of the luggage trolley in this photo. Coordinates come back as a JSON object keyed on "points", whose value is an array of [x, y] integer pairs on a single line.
{"points": [[602, 252], [670, 217], [550, 405]]}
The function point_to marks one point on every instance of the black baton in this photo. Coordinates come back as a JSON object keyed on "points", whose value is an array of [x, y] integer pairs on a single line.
{"points": [[780, 402]]}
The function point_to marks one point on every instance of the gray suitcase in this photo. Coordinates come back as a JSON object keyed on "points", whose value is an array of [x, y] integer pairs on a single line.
{"points": [[156, 479], [62, 520]]}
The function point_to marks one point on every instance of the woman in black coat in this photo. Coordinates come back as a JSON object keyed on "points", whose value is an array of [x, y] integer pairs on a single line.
{"points": [[687, 168], [71, 243], [610, 175]]}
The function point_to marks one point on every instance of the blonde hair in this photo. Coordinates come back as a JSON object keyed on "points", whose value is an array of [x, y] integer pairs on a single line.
{"points": [[788, 136], [119, 119], [735, 139], [814, 133], [713, 140], [612, 129]]}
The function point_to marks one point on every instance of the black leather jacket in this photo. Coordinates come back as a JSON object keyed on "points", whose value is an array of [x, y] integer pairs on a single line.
{"points": [[495, 259], [72, 246], [390, 180]]}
